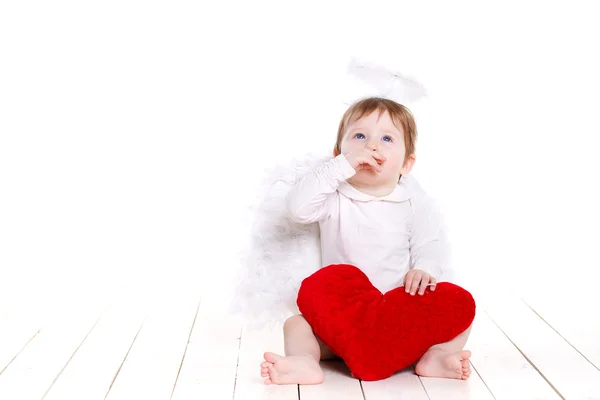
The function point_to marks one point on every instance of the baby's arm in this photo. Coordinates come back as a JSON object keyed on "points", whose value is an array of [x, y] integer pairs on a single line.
{"points": [[310, 199], [426, 250]]}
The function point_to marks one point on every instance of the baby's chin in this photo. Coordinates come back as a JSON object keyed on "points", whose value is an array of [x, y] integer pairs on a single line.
{"points": [[370, 173]]}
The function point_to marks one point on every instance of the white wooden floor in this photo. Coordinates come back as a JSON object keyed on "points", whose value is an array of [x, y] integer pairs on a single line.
{"points": [[134, 347]]}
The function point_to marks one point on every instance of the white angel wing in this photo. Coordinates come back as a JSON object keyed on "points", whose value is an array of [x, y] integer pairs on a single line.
{"points": [[281, 252]]}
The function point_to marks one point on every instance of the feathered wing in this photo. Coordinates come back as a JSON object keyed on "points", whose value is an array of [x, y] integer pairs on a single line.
{"points": [[281, 253]]}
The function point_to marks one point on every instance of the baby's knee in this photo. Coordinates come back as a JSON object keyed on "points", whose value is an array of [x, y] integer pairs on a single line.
{"points": [[294, 322]]}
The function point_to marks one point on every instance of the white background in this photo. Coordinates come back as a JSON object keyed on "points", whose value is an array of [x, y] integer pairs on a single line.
{"points": [[133, 134]]}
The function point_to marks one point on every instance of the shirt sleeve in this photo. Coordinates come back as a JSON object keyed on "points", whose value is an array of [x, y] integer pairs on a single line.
{"points": [[310, 200], [427, 251]]}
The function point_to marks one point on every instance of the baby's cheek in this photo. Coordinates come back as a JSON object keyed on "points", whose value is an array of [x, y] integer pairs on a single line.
{"points": [[350, 146], [392, 162]]}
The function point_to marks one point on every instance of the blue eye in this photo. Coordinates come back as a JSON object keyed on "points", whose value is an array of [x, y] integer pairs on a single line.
{"points": [[385, 137]]}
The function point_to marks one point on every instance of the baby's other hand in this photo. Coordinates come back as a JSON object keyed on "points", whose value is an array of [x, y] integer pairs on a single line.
{"points": [[364, 159], [417, 279]]}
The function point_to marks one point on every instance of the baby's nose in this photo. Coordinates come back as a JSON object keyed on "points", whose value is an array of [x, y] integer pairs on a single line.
{"points": [[373, 146]]}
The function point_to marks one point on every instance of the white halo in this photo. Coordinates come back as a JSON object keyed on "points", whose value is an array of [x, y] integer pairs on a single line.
{"points": [[383, 82]]}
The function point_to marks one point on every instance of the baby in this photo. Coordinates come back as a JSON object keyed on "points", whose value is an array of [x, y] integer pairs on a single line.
{"points": [[371, 218]]}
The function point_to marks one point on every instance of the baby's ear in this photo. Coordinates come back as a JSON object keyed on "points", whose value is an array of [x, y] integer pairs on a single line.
{"points": [[408, 165]]}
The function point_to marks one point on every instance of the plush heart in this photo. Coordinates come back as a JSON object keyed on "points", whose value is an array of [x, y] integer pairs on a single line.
{"points": [[378, 334]]}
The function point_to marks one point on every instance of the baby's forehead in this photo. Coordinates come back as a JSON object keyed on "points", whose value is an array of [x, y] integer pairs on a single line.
{"points": [[361, 120]]}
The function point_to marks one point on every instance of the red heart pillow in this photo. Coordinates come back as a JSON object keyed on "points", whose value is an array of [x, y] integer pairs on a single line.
{"points": [[378, 334]]}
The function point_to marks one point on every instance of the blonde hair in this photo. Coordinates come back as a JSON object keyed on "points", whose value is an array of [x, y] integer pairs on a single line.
{"points": [[400, 115]]}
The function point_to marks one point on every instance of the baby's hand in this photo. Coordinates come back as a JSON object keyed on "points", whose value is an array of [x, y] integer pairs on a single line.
{"points": [[417, 279], [364, 159]]}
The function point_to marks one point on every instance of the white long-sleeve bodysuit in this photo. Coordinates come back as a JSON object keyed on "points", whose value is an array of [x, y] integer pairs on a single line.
{"points": [[383, 236]]}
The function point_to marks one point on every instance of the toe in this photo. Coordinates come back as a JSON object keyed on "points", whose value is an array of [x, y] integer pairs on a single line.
{"points": [[273, 374], [466, 369], [272, 357], [265, 364], [465, 354]]}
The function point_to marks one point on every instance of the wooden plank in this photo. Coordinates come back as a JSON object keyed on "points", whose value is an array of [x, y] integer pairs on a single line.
{"points": [[563, 312], [16, 331], [498, 362], [92, 369], [210, 363], [338, 384], [33, 372], [150, 371], [567, 371], [403, 385], [455, 389], [249, 384]]}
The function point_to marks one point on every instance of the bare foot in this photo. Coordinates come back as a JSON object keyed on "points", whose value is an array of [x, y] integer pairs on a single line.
{"points": [[303, 370], [438, 363]]}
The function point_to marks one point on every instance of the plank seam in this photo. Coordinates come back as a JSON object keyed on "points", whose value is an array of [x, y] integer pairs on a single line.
{"points": [[124, 359], [526, 358], [362, 389], [70, 358], [482, 380], [237, 365], [424, 388], [185, 350], [558, 333], [20, 351]]}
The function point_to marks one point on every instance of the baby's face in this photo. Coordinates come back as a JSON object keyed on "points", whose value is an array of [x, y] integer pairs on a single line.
{"points": [[380, 133]]}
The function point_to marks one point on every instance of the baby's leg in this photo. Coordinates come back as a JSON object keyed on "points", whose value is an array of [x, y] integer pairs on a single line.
{"points": [[447, 360], [326, 353], [302, 354]]}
